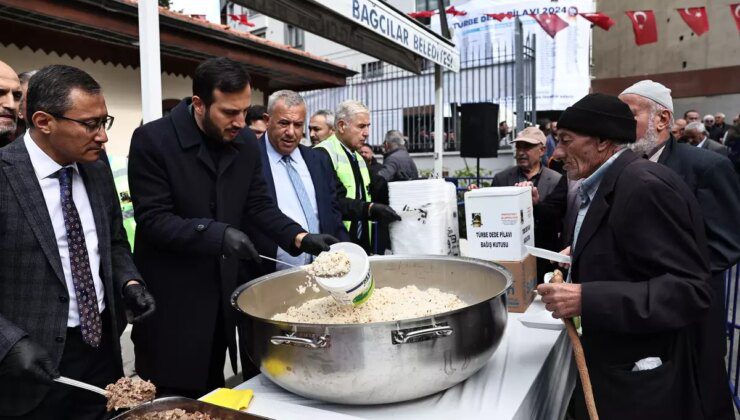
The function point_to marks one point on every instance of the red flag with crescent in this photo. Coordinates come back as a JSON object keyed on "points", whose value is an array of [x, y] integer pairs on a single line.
{"points": [[696, 18], [551, 23], [735, 8], [644, 26], [601, 20]]}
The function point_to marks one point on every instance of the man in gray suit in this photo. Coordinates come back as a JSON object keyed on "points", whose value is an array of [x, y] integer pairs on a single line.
{"points": [[530, 146], [66, 270], [696, 133]]}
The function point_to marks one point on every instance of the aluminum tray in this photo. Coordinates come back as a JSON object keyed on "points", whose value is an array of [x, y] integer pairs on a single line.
{"points": [[187, 404]]}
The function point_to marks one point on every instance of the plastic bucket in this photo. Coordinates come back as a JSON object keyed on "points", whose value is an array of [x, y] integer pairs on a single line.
{"points": [[355, 287]]}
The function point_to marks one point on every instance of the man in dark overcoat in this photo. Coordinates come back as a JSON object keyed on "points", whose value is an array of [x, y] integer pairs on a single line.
{"points": [[196, 184]]}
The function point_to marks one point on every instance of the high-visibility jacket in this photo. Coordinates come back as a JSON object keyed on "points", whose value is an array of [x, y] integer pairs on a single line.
{"points": [[119, 167], [343, 169]]}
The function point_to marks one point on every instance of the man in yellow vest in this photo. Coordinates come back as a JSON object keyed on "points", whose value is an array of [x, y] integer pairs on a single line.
{"points": [[351, 130]]}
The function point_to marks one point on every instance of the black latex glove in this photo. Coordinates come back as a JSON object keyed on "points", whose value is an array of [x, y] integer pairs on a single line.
{"points": [[27, 360], [138, 301], [237, 244], [316, 243], [383, 213]]}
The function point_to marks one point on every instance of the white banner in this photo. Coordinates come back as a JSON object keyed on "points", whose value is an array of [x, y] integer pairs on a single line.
{"points": [[395, 26], [562, 68]]}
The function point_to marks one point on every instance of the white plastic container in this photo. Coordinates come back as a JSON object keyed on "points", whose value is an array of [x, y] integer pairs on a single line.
{"points": [[355, 287], [500, 223]]}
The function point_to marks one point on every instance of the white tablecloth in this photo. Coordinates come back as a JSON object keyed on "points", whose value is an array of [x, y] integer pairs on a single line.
{"points": [[530, 376]]}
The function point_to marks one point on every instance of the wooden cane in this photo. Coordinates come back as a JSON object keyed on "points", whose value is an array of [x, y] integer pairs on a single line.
{"points": [[575, 341]]}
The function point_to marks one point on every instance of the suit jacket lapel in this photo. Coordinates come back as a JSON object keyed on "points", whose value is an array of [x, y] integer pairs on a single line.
{"points": [[668, 150], [599, 207], [266, 169], [22, 180], [95, 196]]}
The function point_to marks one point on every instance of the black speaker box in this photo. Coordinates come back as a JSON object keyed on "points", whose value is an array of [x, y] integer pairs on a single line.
{"points": [[479, 130]]}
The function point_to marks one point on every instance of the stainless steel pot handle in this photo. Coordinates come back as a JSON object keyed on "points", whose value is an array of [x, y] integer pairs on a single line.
{"points": [[402, 337], [318, 342]]}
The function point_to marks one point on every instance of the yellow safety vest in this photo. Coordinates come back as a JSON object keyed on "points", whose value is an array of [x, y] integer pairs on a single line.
{"points": [[343, 168], [119, 167]]}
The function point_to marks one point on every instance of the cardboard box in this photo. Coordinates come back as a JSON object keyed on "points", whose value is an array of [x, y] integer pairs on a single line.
{"points": [[500, 222], [522, 291]]}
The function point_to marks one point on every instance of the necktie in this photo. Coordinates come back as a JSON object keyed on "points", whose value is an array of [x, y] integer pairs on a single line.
{"points": [[358, 189], [300, 191], [87, 301]]}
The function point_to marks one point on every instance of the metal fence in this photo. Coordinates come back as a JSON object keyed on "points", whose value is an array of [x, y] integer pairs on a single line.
{"points": [[400, 100], [732, 280]]}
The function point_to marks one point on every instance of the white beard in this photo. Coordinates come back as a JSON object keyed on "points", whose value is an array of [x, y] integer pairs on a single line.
{"points": [[648, 142]]}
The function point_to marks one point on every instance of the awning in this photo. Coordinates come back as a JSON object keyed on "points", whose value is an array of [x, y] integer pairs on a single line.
{"points": [[371, 27], [107, 30]]}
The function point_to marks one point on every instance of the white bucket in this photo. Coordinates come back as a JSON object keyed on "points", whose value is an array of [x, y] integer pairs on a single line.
{"points": [[355, 287]]}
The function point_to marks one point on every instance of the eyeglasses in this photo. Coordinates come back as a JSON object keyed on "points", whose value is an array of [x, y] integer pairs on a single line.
{"points": [[92, 126]]}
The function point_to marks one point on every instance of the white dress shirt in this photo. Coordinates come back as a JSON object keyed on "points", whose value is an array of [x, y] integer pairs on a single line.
{"points": [[287, 199], [46, 168], [701, 144]]}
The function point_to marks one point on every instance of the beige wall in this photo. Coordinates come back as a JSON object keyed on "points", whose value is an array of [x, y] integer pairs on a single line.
{"points": [[616, 55], [121, 87]]}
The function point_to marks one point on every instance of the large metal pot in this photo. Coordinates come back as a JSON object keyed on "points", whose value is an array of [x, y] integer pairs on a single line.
{"points": [[381, 362]]}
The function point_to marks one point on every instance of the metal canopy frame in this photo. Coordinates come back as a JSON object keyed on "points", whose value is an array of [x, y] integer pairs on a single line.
{"points": [[317, 19]]}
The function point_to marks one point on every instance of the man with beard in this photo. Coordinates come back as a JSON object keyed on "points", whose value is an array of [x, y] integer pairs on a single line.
{"points": [[10, 100], [710, 177], [321, 126], [638, 278], [196, 184]]}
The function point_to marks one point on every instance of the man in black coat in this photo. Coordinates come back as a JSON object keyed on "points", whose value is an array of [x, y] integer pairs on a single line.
{"points": [[710, 177], [639, 276], [66, 273], [196, 184]]}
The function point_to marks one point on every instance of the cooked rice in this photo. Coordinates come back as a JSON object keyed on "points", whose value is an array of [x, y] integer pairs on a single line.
{"points": [[386, 304], [329, 264]]}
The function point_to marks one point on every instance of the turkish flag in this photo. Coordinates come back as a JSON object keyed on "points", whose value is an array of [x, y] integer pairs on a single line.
{"points": [[243, 20], [696, 18], [500, 16], [601, 20], [423, 14], [551, 23], [735, 8], [643, 23], [454, 12], [234, 17]]}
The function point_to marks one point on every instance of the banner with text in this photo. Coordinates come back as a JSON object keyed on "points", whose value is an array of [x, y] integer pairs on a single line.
{"points": [[562, 68]]}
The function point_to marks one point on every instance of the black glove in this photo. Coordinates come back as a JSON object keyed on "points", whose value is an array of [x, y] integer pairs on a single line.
{"points": [[383, 213], [138, 301], [27, 360], [237, 244], [316, 243]]}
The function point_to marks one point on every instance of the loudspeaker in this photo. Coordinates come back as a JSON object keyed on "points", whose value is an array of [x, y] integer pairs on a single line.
{"points": [[479, 130]]}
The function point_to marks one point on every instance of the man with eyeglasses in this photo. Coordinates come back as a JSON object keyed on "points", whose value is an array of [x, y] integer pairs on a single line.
{"points": [[197, 185], [66, 271]]}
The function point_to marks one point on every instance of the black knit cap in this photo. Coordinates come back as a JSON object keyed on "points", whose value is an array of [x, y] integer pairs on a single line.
{"points": [[602, 116]]}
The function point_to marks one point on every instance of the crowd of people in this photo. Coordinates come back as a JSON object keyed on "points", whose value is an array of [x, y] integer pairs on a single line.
{"points": [[645, 206]]}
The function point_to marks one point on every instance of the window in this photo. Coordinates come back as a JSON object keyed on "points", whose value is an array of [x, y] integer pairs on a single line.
{"points": [[294, 37], [372, 69], [261, 32]]}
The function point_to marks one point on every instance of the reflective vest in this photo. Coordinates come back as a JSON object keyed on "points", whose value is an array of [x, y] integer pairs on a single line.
{"points": [[343, 168]]}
